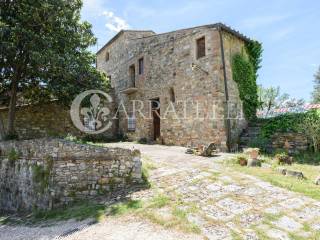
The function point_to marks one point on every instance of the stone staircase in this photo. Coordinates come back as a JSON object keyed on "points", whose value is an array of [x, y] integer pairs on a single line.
{"points": [[249, 134]]}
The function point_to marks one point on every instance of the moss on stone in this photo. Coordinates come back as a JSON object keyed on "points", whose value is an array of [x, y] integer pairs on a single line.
{"points": [[41, 174], [13, 156]]}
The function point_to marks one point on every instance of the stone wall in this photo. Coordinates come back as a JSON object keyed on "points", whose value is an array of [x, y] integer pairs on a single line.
{"points": [[47, 173], [168, 60], [47, 120], [293, 142]]}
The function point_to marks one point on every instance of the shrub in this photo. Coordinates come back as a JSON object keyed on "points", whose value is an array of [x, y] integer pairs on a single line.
{"points": [[260, 142], [13, 155], [284, 123], [143, 140], [242, 160], [310, 125], [283, 158]]}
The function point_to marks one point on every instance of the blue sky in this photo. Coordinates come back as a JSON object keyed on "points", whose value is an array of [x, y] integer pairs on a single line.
{"points": [[288, 29]]}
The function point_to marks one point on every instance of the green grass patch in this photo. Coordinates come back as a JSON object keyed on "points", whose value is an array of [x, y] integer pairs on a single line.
{"points": [[126, 207], [305, 186], [78, 211], [159, 201]]}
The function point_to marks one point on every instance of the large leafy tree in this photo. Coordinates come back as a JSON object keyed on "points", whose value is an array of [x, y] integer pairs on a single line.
{"points": [[44, 53], [316, 91]]}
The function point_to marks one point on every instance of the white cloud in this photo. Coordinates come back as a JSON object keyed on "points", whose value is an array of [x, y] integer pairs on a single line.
{"points": [[93, 8], [115, 23]]}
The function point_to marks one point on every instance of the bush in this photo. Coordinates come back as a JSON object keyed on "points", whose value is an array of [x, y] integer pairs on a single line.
{"points": [[308, 158], [260, 142], [283, 158], [310, 125], [289, 122], [242, 160], [143, 140]]}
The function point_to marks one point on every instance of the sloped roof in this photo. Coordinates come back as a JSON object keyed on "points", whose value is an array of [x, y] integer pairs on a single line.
{"points": [[222, 26], [118, 35]]}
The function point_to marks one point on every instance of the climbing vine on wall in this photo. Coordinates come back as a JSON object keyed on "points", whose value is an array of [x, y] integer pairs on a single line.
{"points": [[244, 72]]}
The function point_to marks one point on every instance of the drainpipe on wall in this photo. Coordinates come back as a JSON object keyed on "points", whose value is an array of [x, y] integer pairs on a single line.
{"points": [[228, 122]]}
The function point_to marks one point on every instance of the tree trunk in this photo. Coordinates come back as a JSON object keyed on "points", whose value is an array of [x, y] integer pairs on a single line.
{"points": [[12, 107]]}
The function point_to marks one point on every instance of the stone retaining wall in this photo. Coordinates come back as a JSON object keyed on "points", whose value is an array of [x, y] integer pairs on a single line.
{"points": [[48, 120], [293, 142], [47, 173]]}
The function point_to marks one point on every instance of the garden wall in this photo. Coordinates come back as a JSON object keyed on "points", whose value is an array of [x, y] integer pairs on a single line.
{"points": [[47, 173], [48, 120], [293, 142]]}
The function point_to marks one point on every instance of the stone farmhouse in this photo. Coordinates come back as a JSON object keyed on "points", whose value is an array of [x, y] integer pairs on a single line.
{"points": [[179, 73]]}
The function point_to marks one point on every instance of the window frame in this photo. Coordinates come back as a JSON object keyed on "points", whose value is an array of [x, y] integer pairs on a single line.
{"points": [[141, 66], [132, 123], [107, 56], [203, 52], [132, 74]]}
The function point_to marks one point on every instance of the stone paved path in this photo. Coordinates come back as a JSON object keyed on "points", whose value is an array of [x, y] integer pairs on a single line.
{"points": [[230, 205]]}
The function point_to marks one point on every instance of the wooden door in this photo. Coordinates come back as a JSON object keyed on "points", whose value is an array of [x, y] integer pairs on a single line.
{"points": [[156, 119]]}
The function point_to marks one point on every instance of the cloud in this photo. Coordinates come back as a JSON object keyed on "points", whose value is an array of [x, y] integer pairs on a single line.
{"points": [[93, 8], [115, 23]]}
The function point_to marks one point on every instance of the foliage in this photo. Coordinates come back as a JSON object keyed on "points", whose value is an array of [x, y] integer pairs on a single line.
{"points": [[245, 73], [260, 142], [143, 140], [12, 136], [41, 177], [311, 127], [41, 174], [283, 158], [13, 156], [271, 98], [145, 176], [307, 157], [316, 91], [125, 207], [44, 53], [242, 159], [288, 122], [159, 201], [254, 51]]}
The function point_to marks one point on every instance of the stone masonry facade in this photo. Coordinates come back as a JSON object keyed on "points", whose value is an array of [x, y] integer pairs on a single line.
{"points": [[48, 173], [47, 120], [173, 73]]}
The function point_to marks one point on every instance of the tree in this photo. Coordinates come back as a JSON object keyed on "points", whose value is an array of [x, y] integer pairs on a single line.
{"points": [[311, 127], [316, 91], [271, 98], [44, 53], [268, 97]]}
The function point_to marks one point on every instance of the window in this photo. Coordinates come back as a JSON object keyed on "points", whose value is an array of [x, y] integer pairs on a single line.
{"points": [[172, 95], [132, 123], [107, 56], [141, 67], [201, 47], [132, 75]]}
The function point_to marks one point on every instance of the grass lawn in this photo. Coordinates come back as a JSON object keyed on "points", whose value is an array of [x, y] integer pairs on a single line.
{"points": [[271, 175]]}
